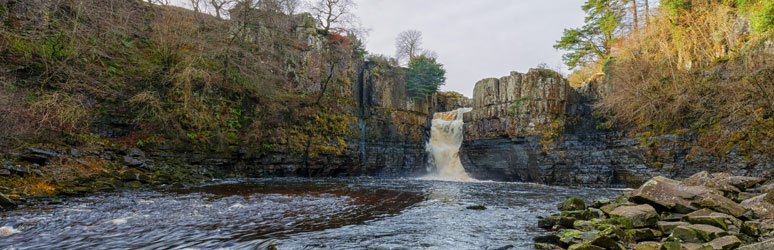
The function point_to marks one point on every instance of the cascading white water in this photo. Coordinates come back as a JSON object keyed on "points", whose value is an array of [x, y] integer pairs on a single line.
{"points": [[444, 146]]}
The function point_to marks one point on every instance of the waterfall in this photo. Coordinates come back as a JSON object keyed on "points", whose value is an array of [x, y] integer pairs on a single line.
{"points": [[444, 147]]}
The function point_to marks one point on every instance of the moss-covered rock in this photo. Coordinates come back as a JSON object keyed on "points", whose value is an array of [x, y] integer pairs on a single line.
{"points": [[635, 216], [585, 246], [666, 227], [572, 204], [697, 233], [725, 243], [6, 202]]}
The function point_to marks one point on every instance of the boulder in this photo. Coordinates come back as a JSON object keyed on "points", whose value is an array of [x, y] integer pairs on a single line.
{"points": [[668, 194], [6, 202], [759, 206], [544, 246], [583, 225], [476, 207], [666, 227], [697, 233], [585, 246], [725, 243], [572, 204], [607, 242], [39, 156], [694, 246], [642, 234], [600, 203], [134, 174], [719, 203], [132, 162], [720, 220], [714, 181], [635, 216], [766, 245], [548, 239], [569, 237], [667, 216], [548, 222], [744, 182], [758, 228], [647, 245]]}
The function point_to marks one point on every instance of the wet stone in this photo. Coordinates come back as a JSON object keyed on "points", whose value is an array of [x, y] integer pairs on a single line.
{"points": [[572, 204]]}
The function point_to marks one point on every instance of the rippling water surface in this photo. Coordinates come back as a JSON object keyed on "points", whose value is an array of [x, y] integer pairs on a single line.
{"points": [[354, 213]]}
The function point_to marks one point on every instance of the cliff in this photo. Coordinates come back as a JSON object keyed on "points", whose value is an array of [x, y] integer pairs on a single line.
{"points": [[178, 96], [518, 104], [554, 137]]}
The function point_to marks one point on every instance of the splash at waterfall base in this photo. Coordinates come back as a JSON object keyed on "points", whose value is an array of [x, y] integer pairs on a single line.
{"points": [[446, 137]]}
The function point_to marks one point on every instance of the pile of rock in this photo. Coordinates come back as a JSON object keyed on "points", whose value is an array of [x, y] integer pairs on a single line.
{"points": [[706, 211]]}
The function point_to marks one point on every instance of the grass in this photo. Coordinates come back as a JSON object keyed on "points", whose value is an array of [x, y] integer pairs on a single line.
{"points": [[693, 71]]}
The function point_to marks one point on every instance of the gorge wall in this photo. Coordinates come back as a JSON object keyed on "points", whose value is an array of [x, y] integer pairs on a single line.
{"points": [[534, 127]]}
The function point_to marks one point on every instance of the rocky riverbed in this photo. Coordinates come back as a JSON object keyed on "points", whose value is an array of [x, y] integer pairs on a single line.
{"points": [[705, 211]]}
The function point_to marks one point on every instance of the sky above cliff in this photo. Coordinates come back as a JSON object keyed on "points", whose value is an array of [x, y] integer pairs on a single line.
{"points": [[474, 39]]}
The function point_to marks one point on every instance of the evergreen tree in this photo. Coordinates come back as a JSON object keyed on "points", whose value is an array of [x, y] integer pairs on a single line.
{"points": [[594, 40], [424, 77]]}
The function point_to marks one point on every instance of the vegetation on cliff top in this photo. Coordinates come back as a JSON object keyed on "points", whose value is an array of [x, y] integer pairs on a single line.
{"points": [[702, 66]]}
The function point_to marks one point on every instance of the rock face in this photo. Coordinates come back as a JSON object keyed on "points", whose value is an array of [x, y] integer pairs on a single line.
{"points": [[387, 139], [393, 129], [518, 104], [650, 217], [535, 128]]}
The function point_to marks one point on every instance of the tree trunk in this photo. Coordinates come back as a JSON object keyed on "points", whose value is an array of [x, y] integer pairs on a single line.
{"points": [[634, 15], [647, 14]]}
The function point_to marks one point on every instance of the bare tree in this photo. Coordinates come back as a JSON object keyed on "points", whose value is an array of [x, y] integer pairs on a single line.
{"points": [[334, 14], [408, 44], [429, 54], [195, 5], [290, 7], [647, 13], [634, 15], [219, 6]]}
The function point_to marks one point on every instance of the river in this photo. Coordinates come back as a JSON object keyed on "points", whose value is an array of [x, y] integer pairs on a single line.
{"points": [[347, 213]]}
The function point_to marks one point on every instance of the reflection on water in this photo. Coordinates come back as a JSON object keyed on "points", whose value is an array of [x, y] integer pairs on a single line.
{"points": [[360, 213]]}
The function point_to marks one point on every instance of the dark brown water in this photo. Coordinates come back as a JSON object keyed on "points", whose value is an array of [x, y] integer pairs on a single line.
{"points": [[354, 213]]}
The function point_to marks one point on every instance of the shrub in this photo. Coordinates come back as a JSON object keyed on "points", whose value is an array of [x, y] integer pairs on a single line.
{"points": [[424, 77]]}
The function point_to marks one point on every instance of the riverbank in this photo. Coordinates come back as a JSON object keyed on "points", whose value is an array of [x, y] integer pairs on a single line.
{"points": [[705, 211]]}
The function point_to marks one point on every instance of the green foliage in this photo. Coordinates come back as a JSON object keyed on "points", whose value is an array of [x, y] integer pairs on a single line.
{"points": [[516, 104], [760, 12], [424, 77], [674, 7], [594, 40]]}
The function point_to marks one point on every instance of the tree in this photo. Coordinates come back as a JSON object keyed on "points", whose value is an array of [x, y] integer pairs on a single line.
{"points": [[219, 6], [408, 45], [424, 77], [334, 14], [594, 40], [634, 15], [290, 7], [196, 6]]}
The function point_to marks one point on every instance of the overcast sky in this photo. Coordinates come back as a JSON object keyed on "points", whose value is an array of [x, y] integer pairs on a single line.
{"points": [[474, 39]]}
